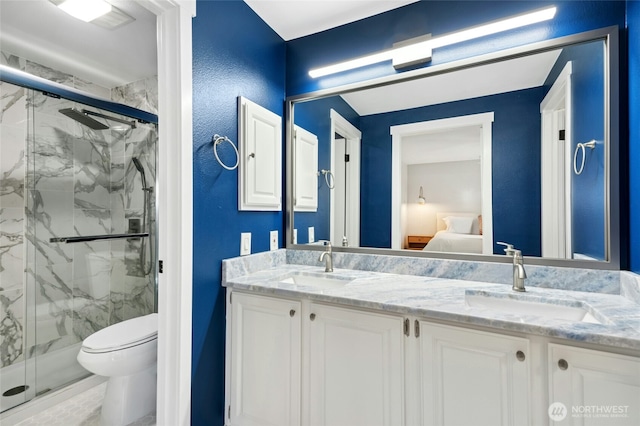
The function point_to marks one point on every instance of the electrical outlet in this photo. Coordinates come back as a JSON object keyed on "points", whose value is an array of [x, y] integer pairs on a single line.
{"points": [[245, 243], [312, 235], [273, 240], [295, 235]]}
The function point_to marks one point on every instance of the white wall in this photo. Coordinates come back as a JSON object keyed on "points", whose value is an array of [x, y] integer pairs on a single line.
{"points": [[448, 187]]}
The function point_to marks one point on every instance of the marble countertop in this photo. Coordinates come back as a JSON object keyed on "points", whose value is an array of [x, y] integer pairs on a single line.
{"points": [[448, 300]]}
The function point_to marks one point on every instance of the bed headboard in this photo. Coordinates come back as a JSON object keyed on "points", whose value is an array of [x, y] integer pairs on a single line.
{"points": [[441, 226]]}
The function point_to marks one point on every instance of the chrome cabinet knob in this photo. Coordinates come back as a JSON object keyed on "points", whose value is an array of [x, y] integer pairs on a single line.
{"points": [[520, 356], [563, 364], [312, 317], [292, 312]]}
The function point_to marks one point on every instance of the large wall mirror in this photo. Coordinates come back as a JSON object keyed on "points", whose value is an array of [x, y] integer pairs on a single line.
{"points": [[519, 146]]}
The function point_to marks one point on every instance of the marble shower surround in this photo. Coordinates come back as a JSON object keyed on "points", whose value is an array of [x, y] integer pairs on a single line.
{"points": [[93, 189]]}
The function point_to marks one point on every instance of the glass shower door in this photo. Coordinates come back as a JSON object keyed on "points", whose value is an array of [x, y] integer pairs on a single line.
{"points": [[87, 172]]}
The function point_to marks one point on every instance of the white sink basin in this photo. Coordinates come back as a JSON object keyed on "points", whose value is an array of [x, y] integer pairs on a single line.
{"points": [[316, 279], [521, 308]]}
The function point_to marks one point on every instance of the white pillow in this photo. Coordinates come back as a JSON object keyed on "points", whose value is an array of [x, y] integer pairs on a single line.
{"points": [[458, 225]]}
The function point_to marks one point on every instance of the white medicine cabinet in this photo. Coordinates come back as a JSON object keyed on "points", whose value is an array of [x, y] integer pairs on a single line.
{"points": [[260, 148], [306, 171]]}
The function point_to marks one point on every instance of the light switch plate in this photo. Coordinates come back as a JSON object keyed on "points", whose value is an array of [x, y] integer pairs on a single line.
{"points": [[273, 240], [312, 235], [245, 243], [295, 235]]}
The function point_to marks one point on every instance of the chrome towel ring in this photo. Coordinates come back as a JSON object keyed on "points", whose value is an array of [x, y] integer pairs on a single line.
{"points": [[217, 140], [581, 147], [326, 174]]}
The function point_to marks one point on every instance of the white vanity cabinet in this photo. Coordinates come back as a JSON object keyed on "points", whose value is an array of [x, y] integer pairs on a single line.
{"points": [[595, 388], [470, 377], [353, 369], [298, 362], [263, 386]]}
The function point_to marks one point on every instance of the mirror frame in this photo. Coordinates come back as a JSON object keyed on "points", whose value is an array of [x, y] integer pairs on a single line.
{"points": [[612, 138]]}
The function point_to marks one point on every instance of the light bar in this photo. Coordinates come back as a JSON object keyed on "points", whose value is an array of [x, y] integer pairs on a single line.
{"points": [[421, 52]]}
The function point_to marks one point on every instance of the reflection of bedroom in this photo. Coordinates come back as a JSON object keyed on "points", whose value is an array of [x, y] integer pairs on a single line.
{"points": [[446, 164], [448, 187]]}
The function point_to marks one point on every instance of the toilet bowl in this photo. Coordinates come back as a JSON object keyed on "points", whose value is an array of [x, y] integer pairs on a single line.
{"points": [[125, 352]]}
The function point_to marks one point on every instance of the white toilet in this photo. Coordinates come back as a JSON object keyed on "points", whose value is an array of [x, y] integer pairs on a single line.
{"points": [[125, 352]]}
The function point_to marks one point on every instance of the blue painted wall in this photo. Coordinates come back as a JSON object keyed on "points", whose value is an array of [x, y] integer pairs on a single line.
{"points": [[515, 160], [633, 23], [588, 188], [234, 53], [314, 116]]}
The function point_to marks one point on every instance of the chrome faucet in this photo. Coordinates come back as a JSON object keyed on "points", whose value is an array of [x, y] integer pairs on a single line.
{"points": [[327, 257], [519, 274]]}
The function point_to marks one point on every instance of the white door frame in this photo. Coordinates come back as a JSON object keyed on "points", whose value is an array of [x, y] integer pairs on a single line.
{"points": [[556, 222], [175, 207], [353, 137], [485, 121]]}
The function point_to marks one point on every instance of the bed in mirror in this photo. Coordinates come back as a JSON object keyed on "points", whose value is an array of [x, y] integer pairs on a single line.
{"points": [[517, 146]]}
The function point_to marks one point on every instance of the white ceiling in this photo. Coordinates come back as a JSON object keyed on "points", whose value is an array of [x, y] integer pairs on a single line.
{"points": [[298, 18], [506, 76], [458, 144], [39, 31]]}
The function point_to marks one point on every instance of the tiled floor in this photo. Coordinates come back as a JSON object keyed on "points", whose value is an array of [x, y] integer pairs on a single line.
{"points": [[81, 410]]}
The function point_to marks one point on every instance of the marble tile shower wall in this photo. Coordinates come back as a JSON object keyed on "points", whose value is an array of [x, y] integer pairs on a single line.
{"points": [[78, 182]]}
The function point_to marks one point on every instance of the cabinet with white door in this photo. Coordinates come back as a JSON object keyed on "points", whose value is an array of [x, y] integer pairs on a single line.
{"points": [[305, 184], [353, 370], [297, 362], [352, 366], [263, 364], [260, 158], [588, 387], [471, 377]]}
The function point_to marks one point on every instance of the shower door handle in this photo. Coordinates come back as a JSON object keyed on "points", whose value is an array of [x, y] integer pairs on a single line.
{"points": [[97, 238]]}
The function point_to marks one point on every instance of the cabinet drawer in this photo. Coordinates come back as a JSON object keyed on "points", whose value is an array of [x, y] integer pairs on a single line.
{"points": [[417, 242]]}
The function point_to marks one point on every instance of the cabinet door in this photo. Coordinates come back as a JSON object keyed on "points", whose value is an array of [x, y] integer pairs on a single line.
{"points": [[306, 171], [473, 378], [355, 368], [594, 388], [265, 361], [260, 146]]}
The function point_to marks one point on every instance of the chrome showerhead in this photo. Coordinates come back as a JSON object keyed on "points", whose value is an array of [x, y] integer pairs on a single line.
{"points": [[83, 118], [138, 165], [143, 178]]}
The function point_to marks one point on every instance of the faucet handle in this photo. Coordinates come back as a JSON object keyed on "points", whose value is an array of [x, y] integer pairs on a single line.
{"points": [[509, 250]]}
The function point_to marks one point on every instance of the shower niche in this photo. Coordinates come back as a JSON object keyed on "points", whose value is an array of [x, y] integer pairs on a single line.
{"points": [[74, 179]]}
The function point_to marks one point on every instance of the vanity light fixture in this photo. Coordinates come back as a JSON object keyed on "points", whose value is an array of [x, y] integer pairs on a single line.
{"points": [[421, 199], [85, 10], [418, 50]]}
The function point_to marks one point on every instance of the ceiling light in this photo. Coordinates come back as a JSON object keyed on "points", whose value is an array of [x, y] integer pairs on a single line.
{"points": [[419, 50], [85, 10]]}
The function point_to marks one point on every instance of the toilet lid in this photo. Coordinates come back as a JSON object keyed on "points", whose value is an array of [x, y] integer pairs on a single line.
{"points": [[123, 334]]}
